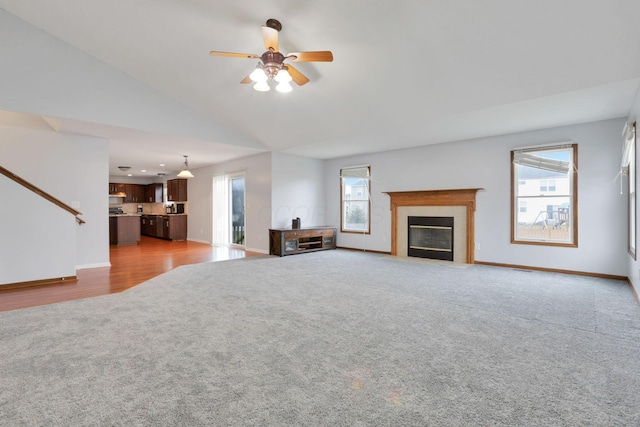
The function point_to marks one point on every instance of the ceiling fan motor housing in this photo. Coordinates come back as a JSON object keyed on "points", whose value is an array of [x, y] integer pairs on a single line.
{"points": [[272, 62]]}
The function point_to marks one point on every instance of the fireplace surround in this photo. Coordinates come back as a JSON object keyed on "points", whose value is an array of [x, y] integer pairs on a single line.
{"points": [[459, 203]]}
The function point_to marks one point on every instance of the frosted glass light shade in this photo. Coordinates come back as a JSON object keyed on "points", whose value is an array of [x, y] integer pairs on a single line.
{"points": [[258, 75], [185, 174], [282, 76], [284, 87], [262, 86]]}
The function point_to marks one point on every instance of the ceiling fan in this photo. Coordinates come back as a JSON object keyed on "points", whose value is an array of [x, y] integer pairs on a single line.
{"points": [[272, 66]]}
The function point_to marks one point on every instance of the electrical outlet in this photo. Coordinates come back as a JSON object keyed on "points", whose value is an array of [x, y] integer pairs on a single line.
{"points": [[477, 246]]}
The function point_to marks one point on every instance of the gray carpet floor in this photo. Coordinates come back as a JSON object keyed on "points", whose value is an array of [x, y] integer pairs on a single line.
{"points": [[335, 338]]}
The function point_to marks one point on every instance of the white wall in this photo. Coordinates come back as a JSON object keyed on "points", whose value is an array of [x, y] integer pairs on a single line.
{"points": [[38, 240], [257, 171], [485, 163], [72, 168], [278, 187], [633, 266], [298, 191]]}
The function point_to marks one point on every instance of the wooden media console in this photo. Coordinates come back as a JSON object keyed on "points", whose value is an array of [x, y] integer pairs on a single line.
{"points": [[287, 241]]}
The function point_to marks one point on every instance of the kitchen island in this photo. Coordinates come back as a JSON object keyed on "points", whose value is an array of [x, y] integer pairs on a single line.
{"points": [[169, 226], [124, 229]]}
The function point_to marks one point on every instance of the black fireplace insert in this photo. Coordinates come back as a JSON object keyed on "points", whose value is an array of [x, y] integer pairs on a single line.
{"points": [[430, 237]]}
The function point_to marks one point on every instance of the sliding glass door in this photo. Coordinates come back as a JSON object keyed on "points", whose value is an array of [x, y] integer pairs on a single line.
{"points": [[237, 210], [228, 210]]}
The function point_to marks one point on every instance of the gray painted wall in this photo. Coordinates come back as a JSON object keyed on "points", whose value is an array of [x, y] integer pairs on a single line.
{"points": [[485, 163]]}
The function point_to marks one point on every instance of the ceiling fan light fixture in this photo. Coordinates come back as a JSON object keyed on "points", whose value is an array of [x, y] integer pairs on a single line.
{"points": [[283, 76], [185, 173], [284, 87], [258, 75], [262, 86], [272, 66]]}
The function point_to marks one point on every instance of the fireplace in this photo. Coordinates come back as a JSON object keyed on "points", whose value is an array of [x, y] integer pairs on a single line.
{"points": [[459, 204], [430, 237]]}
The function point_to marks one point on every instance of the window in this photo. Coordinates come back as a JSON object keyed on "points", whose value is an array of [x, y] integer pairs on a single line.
{"points": [[629, 168], [544, 203], [547, 185], [523, 206], [354, 199]]}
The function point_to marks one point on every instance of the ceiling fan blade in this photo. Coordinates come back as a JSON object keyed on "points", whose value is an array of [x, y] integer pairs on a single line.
{"points": [[318, 56], [297, 76], [234, 54], [270, 36], [246, 80]]}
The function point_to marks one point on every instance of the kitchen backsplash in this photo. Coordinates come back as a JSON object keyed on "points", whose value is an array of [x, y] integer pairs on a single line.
{"points": [[154, 208]]}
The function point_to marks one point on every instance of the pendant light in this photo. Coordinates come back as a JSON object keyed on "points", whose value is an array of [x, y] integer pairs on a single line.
{"points": [[184, 173]]}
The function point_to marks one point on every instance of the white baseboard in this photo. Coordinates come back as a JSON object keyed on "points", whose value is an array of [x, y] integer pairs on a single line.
{"points": [[101, 264], [199, 241], [260, 251]]}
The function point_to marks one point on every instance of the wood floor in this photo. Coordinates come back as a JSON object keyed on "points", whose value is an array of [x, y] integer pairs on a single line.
{"points": [[130, 266]]}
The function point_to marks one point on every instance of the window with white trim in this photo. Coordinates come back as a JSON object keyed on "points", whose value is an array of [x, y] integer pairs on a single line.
{"points": [[545, 182], [354, 199]]}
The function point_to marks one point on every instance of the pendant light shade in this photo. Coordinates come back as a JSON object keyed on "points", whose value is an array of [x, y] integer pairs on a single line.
{"points": [[185, 173]]}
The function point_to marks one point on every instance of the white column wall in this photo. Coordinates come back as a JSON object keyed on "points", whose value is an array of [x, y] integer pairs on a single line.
{"points": [[72, 168], [298, 191], [257, 170]]}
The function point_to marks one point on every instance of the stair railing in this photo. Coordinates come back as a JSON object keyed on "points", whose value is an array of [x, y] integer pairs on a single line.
{"points": [[26, 184]]}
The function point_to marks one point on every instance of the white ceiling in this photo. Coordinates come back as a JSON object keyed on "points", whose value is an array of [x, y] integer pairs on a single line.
{"points": [[405, 73]]}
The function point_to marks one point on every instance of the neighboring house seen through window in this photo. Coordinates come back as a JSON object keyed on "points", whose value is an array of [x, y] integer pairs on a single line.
{"points": [[354, 199], [544, 200]]}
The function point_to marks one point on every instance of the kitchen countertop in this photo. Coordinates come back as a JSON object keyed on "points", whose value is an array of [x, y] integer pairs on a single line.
{"points": [[117, 215]]}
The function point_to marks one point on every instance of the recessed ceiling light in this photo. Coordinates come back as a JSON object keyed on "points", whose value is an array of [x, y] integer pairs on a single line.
{"points": [[143, 170], [129, 174], [161, 164]]}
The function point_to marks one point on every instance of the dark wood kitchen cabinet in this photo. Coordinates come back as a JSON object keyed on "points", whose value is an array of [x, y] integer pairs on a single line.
{"points": [[134, 193], [170, 227], [147, 225], [124, 230], [115, 188], [175, 227], [153, 193], [138, 193], [177, 190]]}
